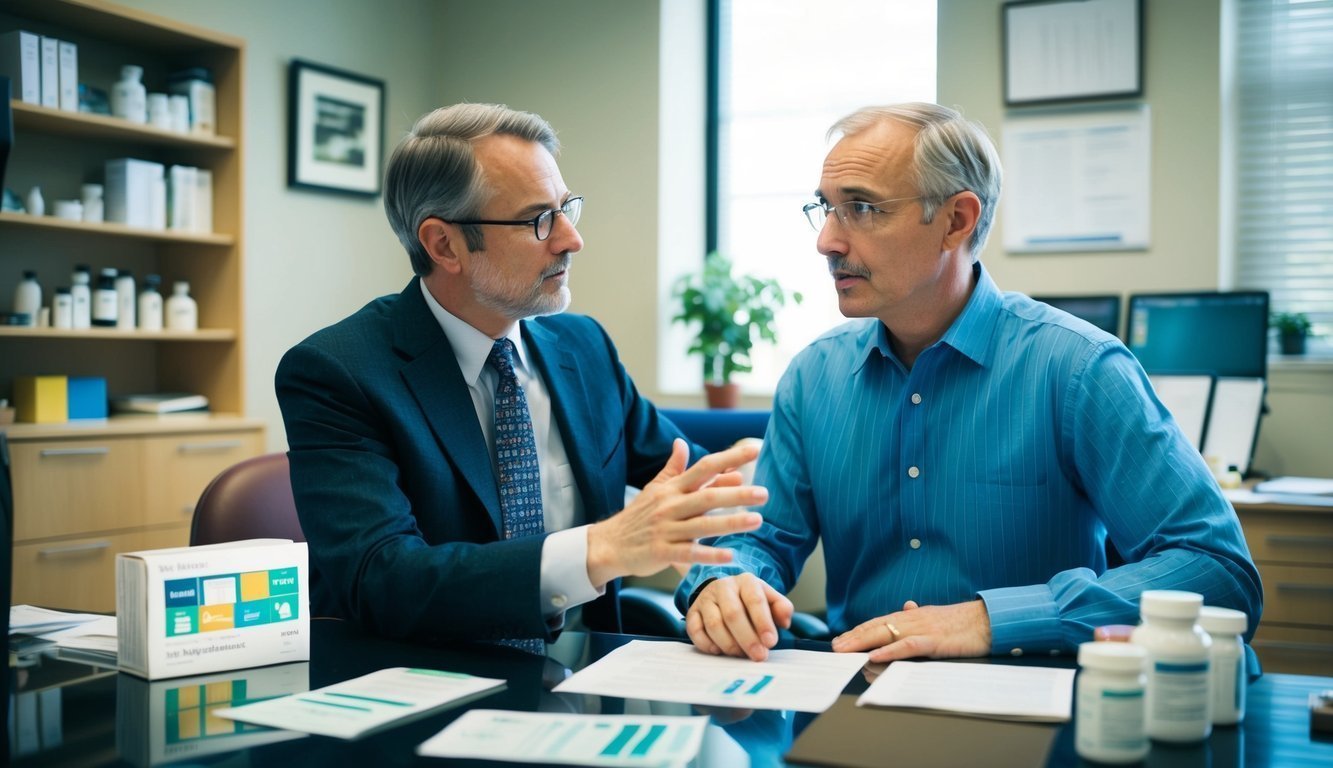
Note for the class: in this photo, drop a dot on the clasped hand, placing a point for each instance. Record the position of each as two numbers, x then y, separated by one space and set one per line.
663 523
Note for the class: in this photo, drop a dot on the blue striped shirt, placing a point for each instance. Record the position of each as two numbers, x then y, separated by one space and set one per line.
997 466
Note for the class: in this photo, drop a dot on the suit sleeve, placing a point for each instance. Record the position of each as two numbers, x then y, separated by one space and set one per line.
374 564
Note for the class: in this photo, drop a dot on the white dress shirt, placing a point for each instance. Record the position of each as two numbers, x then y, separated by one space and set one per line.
564 568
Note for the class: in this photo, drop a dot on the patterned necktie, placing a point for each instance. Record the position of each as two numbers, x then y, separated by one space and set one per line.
516 460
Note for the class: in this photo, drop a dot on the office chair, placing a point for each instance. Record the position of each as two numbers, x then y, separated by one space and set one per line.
249 500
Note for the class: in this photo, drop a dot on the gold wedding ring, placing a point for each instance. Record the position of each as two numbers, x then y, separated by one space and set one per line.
893 630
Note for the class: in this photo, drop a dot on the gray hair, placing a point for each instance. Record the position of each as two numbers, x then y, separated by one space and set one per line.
434 172
951 154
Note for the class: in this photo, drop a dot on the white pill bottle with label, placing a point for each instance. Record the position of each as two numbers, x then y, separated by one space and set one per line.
1178 705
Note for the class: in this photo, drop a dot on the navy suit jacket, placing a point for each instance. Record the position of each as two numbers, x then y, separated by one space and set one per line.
393 479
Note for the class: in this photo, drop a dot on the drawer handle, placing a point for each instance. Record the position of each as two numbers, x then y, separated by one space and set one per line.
1303 541
1287 645
54 452
1289 587
74 549
212 447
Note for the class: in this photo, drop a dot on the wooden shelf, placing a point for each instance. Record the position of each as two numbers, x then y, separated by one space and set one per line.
116 230
114 334
90 126
132 426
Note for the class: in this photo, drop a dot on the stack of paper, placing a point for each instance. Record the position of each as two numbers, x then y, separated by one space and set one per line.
32 620
1035 694
545 738
356 707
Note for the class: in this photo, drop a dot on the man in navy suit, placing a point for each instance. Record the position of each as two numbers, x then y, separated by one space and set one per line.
390 414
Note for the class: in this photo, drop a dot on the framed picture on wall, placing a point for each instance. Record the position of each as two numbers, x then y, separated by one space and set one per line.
1072 50
335 130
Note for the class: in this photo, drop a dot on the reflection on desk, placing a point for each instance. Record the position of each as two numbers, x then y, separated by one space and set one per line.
71 714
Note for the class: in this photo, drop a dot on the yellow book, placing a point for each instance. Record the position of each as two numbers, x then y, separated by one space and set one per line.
42 399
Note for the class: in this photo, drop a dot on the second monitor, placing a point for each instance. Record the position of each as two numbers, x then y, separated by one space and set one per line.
1208 332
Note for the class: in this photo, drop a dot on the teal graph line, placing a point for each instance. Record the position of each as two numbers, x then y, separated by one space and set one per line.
646 743
390 702
759 686
339 706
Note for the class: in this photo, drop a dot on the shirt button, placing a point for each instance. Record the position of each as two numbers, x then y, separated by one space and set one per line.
1016 652
1055 651
916 399
913 472
915 543
559 600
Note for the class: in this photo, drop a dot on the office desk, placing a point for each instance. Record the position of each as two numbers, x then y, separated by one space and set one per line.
73 714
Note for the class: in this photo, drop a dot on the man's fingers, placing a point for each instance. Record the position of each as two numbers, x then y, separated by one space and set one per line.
912 647
910 605
717 629
694 627
705 526
874 633
757 606
680 456
714 464
779 606
731 606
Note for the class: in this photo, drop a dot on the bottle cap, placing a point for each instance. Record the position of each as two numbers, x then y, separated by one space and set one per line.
1113 657
152 281
109 272
181 286
62 291
29 274
1113 633
1223 620
193 73
131 72
124 273
1170 604
82 268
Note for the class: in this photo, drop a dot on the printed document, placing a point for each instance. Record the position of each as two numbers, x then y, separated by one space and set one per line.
542 737
807 681
364 704
1006 692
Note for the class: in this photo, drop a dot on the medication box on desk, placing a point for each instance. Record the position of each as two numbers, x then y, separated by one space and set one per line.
195 610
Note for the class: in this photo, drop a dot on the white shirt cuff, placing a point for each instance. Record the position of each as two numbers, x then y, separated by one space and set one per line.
564 580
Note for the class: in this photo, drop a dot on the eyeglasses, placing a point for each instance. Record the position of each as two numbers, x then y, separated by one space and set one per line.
854 214
543 223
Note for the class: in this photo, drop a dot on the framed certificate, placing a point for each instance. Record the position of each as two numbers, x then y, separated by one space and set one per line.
1072 50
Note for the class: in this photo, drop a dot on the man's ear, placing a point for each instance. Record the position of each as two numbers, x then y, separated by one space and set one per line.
962 211
441 242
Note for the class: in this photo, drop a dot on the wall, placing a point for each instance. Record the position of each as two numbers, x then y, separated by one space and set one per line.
1184 89
312 258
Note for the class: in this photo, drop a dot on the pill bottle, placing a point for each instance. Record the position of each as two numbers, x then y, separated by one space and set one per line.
1109 724
1177 705
1227 662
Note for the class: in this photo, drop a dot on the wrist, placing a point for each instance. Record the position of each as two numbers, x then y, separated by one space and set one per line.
602 562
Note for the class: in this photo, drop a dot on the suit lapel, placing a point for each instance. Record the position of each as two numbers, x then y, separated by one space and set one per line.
572 411
431 373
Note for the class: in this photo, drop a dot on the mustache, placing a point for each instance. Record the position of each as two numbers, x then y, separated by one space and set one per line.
558 267
839 265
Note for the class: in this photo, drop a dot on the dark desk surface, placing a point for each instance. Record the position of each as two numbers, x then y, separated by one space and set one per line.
64 713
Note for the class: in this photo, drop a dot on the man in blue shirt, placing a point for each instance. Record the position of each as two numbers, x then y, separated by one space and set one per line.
963 453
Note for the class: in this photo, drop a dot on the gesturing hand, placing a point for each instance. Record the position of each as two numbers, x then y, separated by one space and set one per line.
662 524
738 616
935 631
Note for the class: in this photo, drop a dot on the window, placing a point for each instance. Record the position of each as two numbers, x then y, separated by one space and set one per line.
1284 157
786 70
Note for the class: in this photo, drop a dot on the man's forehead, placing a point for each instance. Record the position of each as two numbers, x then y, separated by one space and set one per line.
878 158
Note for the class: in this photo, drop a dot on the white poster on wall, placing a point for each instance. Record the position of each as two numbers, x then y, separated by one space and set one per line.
1077 181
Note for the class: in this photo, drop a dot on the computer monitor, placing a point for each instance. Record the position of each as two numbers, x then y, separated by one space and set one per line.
1101 311
1209 332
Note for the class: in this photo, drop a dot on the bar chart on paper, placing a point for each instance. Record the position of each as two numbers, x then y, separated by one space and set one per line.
807 681
541 737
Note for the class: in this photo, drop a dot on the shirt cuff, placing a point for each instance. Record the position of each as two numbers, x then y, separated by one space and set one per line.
1023 620
564 577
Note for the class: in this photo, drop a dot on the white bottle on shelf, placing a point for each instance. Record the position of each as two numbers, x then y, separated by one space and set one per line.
129 98
125 300
92 203
28 297
36 203
150 305
82 296
182 312
62 309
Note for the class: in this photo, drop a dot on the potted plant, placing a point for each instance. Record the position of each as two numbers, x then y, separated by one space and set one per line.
1292 329
728 311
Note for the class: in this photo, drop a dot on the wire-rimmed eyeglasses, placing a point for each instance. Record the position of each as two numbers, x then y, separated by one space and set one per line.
543 223
854 214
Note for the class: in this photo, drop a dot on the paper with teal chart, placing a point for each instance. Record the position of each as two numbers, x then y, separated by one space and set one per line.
547 737
806 681
368 703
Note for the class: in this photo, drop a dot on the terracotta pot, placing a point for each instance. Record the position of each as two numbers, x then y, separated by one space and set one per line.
722 395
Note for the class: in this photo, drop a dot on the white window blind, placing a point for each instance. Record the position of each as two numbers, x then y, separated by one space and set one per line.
1284 179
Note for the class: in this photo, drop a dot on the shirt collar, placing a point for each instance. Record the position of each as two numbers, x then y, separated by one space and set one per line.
472 347
973 329
970 332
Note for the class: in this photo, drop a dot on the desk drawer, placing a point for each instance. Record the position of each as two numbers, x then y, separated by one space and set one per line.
1294 650
74 574
1296 595
1286 538
70 487
177 468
